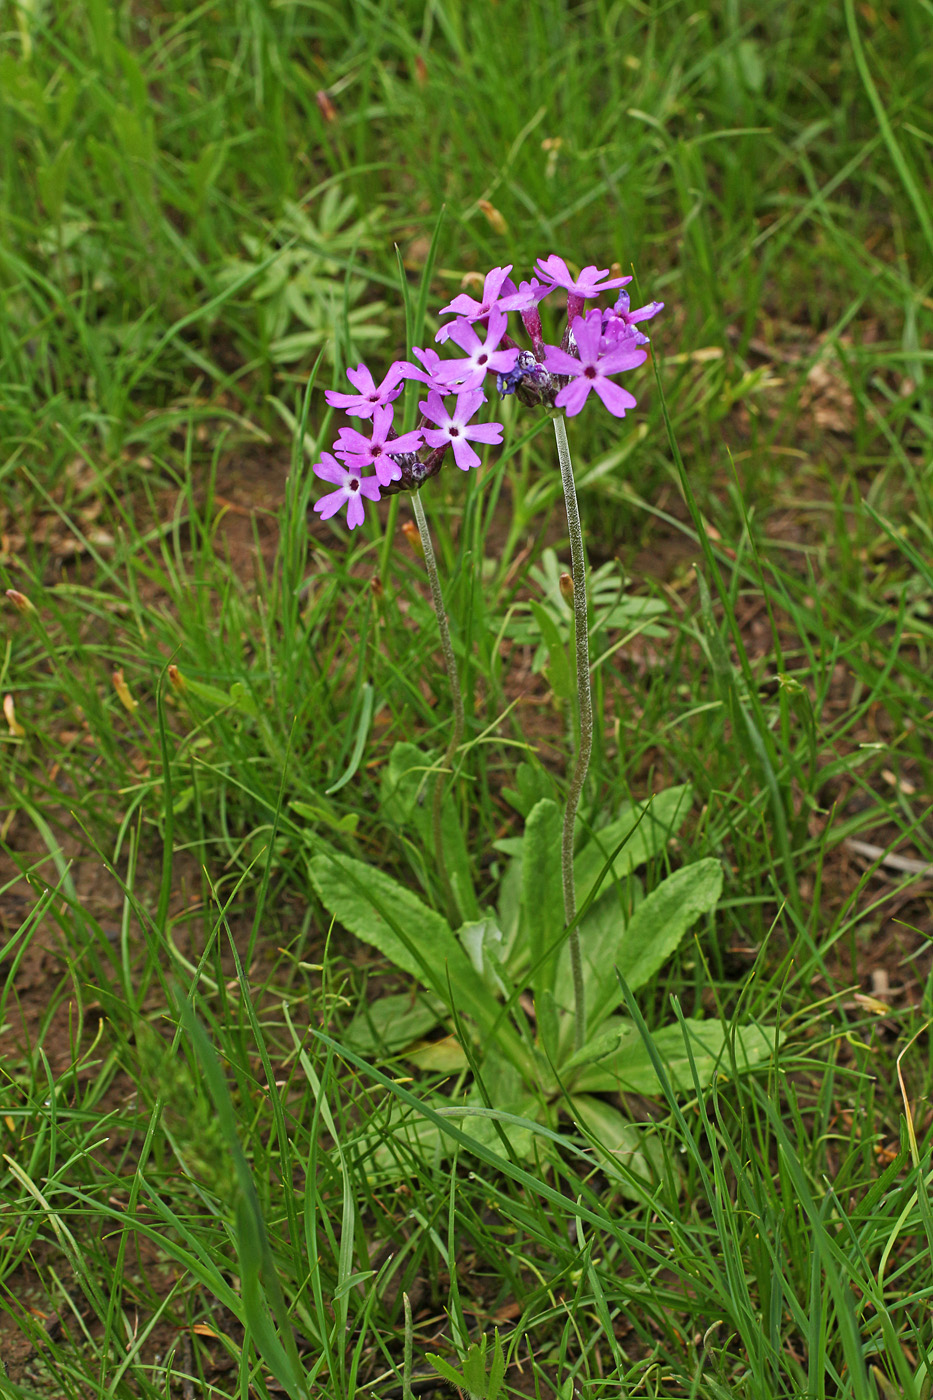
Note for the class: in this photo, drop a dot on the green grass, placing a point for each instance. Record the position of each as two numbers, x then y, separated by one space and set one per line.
184 230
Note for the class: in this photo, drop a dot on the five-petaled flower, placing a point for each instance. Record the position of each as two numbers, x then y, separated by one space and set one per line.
351 489
590 370
454 427
433 372
482 355
579 289
369 395
359 451
495 283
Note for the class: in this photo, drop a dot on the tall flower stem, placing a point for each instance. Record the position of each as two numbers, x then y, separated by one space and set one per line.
450 661
585 715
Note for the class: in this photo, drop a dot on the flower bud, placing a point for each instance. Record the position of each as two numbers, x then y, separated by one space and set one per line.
176 680
123 693
412 535
9 712
565 583
325 106
20 602
496 220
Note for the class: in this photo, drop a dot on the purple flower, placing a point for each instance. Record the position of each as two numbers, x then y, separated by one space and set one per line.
370 396
352 487
359 451
616 335
590 370
579 289
528 295
643 313
454 428
588 284
482 356
433 372
497 281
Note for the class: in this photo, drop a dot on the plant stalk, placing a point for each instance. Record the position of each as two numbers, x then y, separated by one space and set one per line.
456 737
585 716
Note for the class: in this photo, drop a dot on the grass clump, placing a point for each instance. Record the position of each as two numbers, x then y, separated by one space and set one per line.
228 1169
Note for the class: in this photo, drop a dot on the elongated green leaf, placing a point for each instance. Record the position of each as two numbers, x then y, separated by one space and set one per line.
607 1040
385 914
362 733
444 1056
655 930
473 1380
558 669
622 1147
630 1067
406 798
645 827
390 1023
542 890
407 1141
601 932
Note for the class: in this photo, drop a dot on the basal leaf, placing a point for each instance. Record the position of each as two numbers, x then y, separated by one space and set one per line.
630 1068
382 912
622 1147
542 890
406 799
390 1023
645 827
655 930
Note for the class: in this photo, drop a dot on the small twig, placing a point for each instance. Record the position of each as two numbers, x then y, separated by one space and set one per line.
890 858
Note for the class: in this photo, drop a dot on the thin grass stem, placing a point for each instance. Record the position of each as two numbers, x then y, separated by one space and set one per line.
450 661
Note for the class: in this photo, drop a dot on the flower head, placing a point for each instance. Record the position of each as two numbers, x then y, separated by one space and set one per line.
369 395
590 371
377 451
352 487
454 428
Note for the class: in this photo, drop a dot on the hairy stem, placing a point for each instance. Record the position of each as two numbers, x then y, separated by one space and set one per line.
585 715
456 736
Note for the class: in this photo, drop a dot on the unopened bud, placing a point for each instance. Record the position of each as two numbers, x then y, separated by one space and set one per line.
375 584
176 680
9 711
565 583
410 531
325 106
421 70
496 220
123 693
20 602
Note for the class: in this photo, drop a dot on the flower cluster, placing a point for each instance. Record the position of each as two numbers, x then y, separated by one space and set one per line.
596 345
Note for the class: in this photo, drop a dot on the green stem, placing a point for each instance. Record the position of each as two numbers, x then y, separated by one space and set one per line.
585 714
456 737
